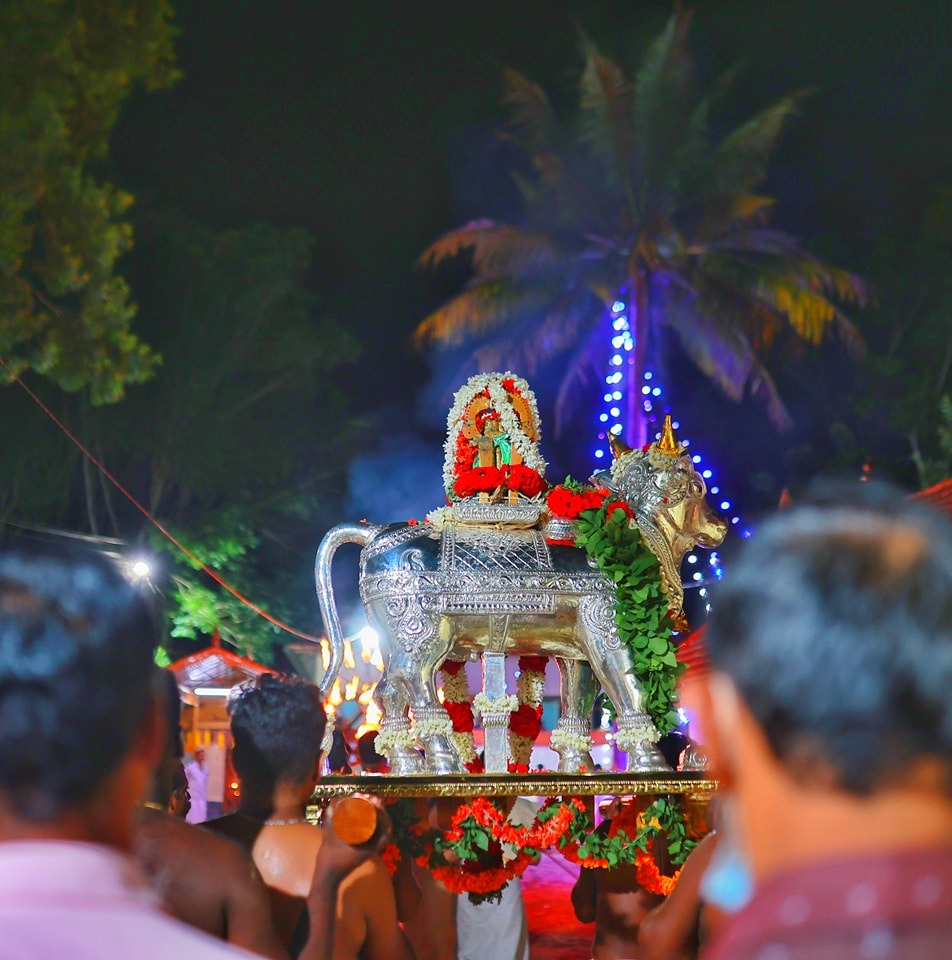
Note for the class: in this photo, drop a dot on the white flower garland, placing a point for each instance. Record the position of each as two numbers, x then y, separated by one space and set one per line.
520 749
436 518
465 746
499 398
631 737
565 741
530 688
388 740
456 687
456 690
427 727
485 705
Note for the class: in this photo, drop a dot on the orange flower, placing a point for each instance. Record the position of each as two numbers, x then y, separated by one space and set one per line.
651 878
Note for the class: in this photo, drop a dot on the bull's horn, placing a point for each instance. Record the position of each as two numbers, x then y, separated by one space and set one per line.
667 444
619 447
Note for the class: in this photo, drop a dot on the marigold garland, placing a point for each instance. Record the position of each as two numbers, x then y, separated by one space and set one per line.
651 878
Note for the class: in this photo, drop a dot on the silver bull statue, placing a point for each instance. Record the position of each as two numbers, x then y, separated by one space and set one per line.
490 588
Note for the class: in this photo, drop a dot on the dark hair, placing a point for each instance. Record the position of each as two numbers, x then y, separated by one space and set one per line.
278 725
836 625
367 748
76 671
338 757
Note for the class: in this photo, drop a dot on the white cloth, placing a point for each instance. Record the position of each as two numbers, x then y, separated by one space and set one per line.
497 931
493 931
197 775
82 901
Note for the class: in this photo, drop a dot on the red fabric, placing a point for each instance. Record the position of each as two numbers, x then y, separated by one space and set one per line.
693 654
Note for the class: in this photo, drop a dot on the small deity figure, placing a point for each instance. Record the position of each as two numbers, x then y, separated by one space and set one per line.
493 445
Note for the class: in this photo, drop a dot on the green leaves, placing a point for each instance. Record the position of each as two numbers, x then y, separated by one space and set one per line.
641 608
64 312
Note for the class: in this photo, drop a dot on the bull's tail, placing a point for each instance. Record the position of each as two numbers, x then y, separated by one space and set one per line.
343 533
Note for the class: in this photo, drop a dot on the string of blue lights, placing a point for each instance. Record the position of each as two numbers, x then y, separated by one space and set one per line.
618 396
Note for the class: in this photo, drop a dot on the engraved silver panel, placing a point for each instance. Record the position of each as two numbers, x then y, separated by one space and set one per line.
493 551
472 511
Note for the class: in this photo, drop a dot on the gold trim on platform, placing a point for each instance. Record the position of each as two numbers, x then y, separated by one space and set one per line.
516 784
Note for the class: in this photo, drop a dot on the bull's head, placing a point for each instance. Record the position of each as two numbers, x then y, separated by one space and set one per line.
667 496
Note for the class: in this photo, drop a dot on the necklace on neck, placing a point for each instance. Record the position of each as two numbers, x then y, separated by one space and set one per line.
269 822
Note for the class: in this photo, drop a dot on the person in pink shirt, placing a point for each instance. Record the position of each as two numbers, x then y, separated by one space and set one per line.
80 733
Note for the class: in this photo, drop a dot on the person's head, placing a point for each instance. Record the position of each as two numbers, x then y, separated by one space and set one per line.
834 626
199 755
367 751
76 684
277 723
338 759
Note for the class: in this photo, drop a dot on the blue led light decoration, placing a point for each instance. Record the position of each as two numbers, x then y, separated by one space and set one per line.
619 395
623 395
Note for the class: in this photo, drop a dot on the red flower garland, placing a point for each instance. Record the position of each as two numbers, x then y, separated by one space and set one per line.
478 480
526 721
516 477
651 878
524 480
568 504
461 716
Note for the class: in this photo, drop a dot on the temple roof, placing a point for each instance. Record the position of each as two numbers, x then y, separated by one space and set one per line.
939 495
215 667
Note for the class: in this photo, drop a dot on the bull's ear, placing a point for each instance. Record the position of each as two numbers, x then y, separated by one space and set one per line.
603 479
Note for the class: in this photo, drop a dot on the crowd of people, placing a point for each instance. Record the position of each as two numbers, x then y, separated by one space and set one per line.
827 718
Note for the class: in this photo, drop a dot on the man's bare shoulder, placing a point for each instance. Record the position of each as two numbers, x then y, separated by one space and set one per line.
158 834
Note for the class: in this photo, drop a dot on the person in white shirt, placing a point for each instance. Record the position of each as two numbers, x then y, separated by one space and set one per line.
197 774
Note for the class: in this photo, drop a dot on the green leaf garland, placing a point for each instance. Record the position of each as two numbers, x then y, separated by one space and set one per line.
641 606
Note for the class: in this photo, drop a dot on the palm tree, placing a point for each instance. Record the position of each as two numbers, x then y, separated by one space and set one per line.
634 202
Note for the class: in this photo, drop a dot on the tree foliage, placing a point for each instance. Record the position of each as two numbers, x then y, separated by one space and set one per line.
639 194
238 444
65 70
897 414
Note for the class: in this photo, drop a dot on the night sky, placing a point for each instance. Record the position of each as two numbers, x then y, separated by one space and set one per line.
372 125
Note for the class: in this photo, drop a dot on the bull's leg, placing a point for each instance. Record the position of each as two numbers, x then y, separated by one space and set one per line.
395 740
612 662
572 738
415 621
431 722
